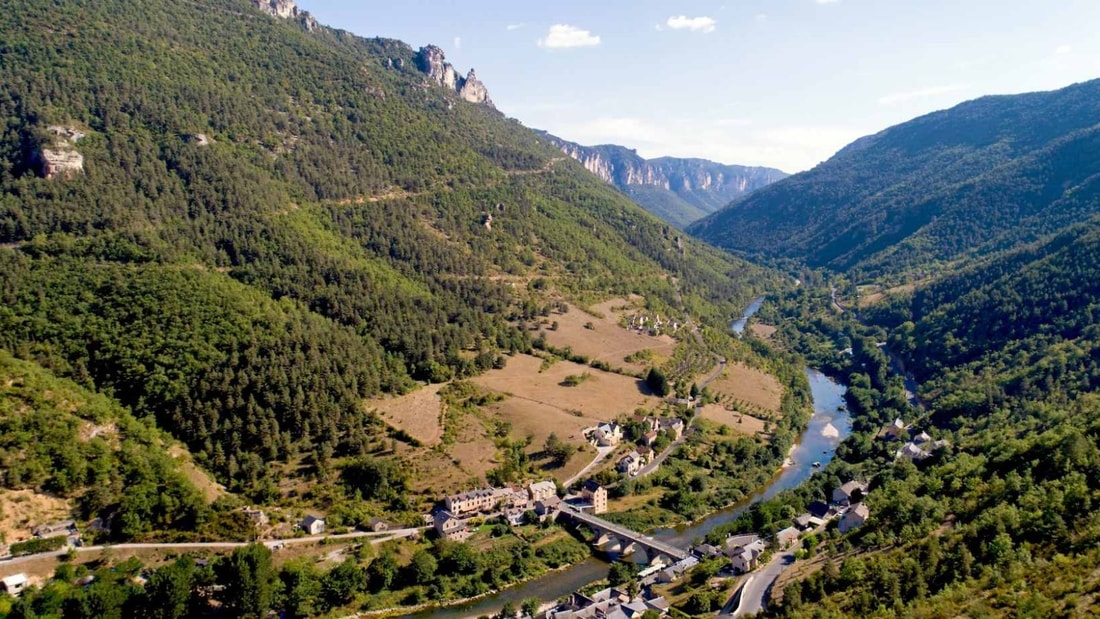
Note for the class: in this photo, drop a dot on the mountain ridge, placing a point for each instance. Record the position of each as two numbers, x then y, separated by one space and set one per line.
981 167
678 190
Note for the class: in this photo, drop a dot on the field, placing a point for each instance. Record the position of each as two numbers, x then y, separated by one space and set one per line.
602 396
762 330
22 510
753 387
537 403
739 422
606 340
416 413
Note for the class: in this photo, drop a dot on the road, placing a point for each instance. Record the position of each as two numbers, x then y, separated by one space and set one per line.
601 453
376 538
757 588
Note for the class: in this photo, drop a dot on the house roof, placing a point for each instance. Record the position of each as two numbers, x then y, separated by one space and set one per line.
591 485
15 580
818 508
308 520
788 532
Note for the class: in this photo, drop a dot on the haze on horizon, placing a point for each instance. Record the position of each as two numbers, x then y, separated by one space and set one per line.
782 83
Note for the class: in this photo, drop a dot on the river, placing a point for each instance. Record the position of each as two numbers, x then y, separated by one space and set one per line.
817 444
738 326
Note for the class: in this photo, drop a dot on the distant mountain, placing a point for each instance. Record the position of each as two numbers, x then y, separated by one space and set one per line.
679 191
985 175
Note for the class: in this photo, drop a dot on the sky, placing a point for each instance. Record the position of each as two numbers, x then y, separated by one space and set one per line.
781 83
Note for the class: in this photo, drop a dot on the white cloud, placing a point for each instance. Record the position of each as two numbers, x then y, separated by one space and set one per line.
511 27
900 97
696 24
458 42
827 1
564 36
1063 49
761 17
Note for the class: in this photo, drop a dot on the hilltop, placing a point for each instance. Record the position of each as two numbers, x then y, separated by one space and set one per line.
983 176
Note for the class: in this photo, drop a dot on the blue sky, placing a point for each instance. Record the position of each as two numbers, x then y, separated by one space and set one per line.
784 83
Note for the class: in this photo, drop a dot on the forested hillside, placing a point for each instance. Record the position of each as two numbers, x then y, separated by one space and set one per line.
81 447
267 224
983 176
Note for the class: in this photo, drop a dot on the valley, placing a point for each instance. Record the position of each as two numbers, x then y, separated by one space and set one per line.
295 321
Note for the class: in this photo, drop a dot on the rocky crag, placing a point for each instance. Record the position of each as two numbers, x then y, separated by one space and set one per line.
431 60
677 190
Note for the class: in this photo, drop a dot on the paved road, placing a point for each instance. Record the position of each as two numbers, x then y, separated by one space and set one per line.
277 543
757 589
601 453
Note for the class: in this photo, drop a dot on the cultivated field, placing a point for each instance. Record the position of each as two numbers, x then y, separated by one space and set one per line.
739 422
606 341
416 413
752 386
603 395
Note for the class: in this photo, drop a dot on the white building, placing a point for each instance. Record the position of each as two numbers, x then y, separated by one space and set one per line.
313 525
14 584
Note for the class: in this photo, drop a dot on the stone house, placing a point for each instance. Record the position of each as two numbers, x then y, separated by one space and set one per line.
313 525
854 518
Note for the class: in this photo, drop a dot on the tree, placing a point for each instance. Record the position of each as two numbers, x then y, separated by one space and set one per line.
422 568
621 573
529 606
168 592
657 382
381 573
301 588
558 450
249 581
341 583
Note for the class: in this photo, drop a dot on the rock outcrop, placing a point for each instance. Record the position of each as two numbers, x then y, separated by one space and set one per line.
432 62
286 9
678 190
58 157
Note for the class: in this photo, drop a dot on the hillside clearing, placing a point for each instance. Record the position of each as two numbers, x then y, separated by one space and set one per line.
22 510
606 340
749 385
416 413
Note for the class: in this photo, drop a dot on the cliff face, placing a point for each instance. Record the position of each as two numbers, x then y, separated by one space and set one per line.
58 158
432 62
678 190
286 9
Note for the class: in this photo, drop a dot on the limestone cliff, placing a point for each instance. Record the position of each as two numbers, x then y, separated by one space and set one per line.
286 9
432 62
57 157
677 190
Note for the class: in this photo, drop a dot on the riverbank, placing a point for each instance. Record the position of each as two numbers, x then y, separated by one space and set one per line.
813 445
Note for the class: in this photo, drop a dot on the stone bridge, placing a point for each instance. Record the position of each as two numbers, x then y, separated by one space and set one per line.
615 538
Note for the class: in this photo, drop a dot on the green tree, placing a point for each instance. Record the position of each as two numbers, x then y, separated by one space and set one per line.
620 573
168 592
249 581
423 567
341 583
657 382
301 589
